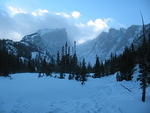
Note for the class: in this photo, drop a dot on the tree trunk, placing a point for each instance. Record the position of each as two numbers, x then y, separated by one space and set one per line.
143 94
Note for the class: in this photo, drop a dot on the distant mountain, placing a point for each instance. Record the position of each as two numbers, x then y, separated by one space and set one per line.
114 41
46 42
50 40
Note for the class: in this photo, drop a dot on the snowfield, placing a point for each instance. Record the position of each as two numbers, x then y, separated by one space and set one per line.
26 93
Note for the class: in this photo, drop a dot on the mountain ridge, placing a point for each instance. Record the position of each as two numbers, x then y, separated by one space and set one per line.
112 42
48 41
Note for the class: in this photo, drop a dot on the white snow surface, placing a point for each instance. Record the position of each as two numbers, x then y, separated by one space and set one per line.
26 93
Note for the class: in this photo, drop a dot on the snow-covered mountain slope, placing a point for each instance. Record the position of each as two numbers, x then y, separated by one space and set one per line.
23 50
50 40
26 93
113 41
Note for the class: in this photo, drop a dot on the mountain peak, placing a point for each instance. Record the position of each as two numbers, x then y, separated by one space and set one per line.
50 40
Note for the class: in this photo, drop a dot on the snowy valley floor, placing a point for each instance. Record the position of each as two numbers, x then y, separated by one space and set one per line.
26 93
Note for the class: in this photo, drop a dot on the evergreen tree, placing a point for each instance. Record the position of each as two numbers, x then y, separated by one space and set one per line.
144 64
126 64
66 48
58 62
58 58
62 63
97 68
74 65
30 66
89 68
143 77
83 72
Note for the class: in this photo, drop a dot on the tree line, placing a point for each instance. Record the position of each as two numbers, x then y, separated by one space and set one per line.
67 61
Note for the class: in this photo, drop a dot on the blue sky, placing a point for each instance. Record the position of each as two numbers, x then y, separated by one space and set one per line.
91 16
124 11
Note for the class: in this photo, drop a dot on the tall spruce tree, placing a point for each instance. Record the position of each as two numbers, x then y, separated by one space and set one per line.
89 68
83 72
143 76
144 63
97 68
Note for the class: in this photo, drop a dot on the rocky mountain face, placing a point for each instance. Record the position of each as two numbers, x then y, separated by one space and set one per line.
50 40
112 42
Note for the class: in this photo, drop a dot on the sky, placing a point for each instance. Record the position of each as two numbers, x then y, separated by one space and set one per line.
83 19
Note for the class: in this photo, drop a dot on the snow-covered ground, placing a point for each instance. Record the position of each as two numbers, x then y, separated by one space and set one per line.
26 93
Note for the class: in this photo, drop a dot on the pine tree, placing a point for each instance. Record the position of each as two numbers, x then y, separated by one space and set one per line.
143 77
74 64
126 64
58 61
62 63
66 48
97 68
83 72
89 68
148 62
144 64
58 58
30 66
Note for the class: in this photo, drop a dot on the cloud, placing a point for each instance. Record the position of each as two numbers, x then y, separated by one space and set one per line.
92 28
62 14
17 22
16 10
39 12
98 24
75 14
81 41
